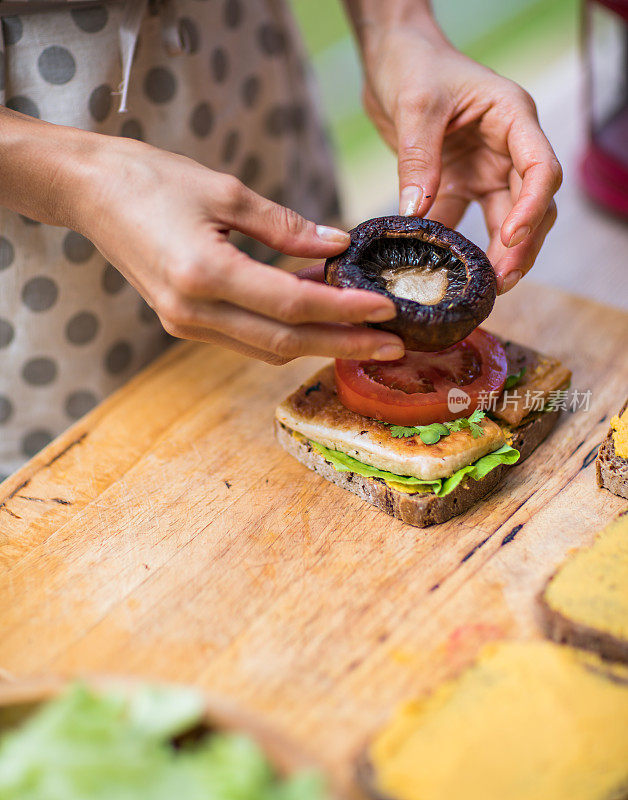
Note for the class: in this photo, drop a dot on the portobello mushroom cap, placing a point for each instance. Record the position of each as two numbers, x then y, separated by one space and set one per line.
443 286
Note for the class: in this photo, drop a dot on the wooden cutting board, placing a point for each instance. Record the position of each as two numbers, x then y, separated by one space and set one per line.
166 535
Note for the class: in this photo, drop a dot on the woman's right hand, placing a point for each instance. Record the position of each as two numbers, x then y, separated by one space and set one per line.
163 220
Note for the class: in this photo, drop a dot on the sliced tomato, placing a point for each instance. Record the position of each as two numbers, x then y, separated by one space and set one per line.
422 388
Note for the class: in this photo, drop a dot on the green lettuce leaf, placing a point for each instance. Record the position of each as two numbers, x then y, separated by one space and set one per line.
164 712
108 746
345 463
478 470
513 380
441 487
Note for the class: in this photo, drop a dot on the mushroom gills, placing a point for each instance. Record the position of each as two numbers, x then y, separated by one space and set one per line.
413 269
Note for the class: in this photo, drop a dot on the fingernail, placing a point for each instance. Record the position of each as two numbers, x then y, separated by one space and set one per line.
518 236
381 315
512 279
389 352
410 200
328 234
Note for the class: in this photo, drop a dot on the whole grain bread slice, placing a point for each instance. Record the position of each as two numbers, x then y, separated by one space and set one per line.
611 470
420 509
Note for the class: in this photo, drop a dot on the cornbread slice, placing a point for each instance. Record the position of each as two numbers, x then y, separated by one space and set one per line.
585 603
527 721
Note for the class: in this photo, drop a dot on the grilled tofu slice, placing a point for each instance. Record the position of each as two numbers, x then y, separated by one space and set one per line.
315 411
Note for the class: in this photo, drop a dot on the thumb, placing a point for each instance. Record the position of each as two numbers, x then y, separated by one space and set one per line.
279 227
420 133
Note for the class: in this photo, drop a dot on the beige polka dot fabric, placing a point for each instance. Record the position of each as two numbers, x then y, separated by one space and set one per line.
237 99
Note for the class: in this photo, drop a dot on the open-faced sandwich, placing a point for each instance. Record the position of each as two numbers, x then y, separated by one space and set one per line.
425 437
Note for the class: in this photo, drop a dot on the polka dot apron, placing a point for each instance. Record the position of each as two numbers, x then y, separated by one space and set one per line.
221 81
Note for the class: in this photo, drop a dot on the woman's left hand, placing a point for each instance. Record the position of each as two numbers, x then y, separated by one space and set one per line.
462 133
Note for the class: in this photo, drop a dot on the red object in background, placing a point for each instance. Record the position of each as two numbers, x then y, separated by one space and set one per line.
604 167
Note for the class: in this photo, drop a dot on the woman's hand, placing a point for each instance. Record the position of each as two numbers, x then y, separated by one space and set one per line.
461 133
164 221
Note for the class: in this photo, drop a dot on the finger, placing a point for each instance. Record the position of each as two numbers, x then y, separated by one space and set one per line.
512 263
234 277
541 174
517 261
215 337
496 206
379 117
420 131
316 272
286 341
281 228
448 209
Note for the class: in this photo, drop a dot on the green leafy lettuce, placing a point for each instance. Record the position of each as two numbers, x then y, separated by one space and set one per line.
87 746
440 487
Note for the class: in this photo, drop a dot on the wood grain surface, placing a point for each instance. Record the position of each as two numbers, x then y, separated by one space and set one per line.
166 535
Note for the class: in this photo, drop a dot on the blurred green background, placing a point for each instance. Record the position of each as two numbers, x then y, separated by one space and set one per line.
518 38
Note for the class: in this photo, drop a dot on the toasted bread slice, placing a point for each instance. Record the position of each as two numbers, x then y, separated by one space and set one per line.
422 508
526 721
585 603
315 411
611 470
542 375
